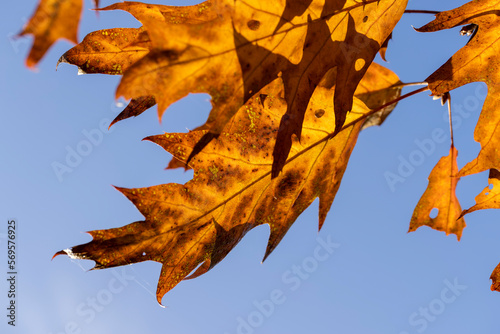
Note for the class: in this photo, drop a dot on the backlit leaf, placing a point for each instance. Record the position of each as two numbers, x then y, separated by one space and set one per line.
198 223
247 45
440 195
477 61
135 108
52 20
489 198
108 51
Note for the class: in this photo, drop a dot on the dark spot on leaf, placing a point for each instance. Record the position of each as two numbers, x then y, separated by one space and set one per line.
253 24
288 183
319 113
262 98
365 18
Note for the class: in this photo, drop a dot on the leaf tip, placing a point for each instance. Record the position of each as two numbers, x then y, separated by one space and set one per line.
69 253
120 189
158 299
62 59
61 252
265 256
113 122
149 138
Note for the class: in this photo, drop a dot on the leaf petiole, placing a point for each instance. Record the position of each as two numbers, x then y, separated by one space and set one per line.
417 11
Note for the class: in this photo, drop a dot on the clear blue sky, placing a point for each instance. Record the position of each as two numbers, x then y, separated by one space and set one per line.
378 280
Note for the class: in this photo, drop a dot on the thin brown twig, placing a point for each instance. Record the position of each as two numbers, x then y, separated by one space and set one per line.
451 123
417 11
408 84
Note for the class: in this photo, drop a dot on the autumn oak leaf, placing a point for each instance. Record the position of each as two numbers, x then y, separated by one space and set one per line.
52 20
135 107
440 195
477 61
108 51
112 51
195 225
489 198
389 88
233 49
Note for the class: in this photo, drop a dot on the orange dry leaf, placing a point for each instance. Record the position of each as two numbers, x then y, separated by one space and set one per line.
477 61
108 51
389 88
168 14
489 198
112 51
53 19
198 223
241 46
135 108
440 194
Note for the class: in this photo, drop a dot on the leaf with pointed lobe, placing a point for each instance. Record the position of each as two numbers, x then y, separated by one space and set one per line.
477 61
108 51
52 20
135 107
248 44
488 198
440 195
198 223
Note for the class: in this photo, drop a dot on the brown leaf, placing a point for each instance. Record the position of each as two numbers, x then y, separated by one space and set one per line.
112 51
231 192
108 51
440 194
168 14
53 19
246 45
489 198
476 61
135 108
